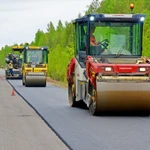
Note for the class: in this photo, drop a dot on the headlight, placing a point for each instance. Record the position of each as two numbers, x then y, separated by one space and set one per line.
142 69
142 19
91 18
108 68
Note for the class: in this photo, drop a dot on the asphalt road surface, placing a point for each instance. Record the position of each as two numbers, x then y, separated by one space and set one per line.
79 129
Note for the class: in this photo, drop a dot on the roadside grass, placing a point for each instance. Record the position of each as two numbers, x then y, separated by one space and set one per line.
57 83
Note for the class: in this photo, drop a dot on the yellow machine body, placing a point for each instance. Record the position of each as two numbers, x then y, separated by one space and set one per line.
34 66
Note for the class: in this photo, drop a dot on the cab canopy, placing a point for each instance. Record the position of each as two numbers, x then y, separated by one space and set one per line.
22 48
18 48
36 55
32 54
116 35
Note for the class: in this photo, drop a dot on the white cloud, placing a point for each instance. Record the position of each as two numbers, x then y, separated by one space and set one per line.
20 19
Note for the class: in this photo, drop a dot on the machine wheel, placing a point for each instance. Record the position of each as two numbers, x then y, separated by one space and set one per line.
26 85
92 106
71 95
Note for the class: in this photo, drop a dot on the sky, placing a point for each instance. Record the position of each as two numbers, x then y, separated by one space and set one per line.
20 19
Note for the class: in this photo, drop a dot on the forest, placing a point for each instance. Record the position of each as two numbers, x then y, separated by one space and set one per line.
60 39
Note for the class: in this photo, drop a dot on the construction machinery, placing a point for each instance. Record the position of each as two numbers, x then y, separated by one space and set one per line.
111 76
35 66
16 59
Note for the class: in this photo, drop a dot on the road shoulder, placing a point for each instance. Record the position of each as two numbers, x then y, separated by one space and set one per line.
20 127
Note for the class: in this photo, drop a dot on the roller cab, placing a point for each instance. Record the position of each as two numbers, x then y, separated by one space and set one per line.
111 75
35 66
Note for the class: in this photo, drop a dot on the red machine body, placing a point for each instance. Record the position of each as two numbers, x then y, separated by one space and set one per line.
112 75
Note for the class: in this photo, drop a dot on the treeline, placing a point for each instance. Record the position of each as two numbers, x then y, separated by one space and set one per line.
60 44
60 39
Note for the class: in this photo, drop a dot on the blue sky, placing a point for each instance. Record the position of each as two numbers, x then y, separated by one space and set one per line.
20 19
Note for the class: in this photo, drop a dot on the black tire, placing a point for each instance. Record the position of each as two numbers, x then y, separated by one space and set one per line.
26 85
92 109
92 106
71 95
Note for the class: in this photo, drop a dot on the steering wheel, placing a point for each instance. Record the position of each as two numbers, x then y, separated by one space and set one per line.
104 43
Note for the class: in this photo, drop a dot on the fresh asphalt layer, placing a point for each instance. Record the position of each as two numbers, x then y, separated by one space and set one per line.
79 129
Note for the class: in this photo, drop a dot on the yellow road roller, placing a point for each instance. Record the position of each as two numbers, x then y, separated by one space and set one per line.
34 66
108 72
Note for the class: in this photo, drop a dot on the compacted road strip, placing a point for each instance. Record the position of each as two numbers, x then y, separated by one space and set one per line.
79 129
20 127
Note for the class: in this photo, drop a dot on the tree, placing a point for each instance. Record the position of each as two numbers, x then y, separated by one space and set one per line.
93 7
50 36
39 38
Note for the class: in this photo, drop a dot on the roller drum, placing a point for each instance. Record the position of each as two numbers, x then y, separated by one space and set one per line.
35 79
123 97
